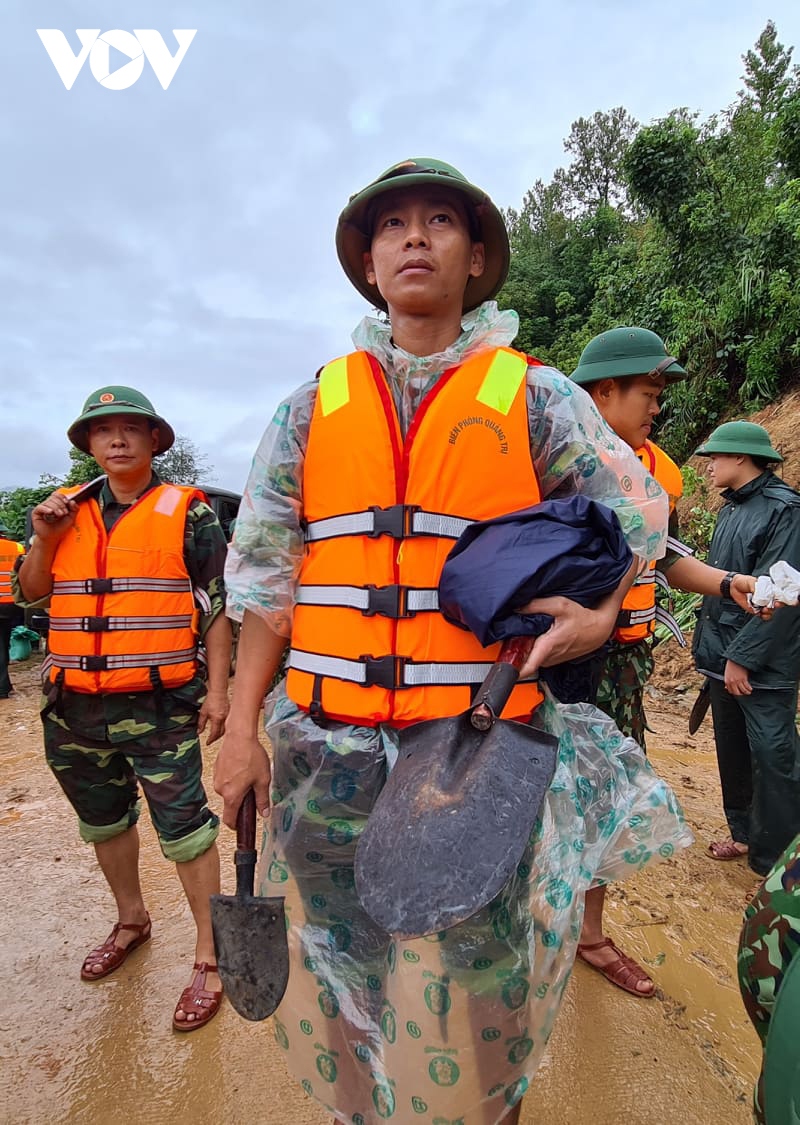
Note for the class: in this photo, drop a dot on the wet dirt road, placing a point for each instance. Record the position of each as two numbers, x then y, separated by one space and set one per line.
97 1054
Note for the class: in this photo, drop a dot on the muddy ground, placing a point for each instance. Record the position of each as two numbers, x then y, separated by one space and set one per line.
97 1054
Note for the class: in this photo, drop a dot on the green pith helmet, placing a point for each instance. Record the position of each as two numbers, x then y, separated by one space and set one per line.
626 351
354 232
740 437
118 400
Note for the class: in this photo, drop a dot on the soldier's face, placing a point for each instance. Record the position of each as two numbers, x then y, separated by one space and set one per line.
630 406
422 254
724 469
122 444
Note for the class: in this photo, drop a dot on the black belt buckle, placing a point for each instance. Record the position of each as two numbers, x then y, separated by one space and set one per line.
95 624
93 663
388 601
384 671
394 521
100 586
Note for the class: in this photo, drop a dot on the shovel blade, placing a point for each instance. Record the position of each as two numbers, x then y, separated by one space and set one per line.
252 952
451 823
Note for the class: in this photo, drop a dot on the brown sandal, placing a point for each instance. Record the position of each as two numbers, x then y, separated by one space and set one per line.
110 955
624 972
197 1001
727 849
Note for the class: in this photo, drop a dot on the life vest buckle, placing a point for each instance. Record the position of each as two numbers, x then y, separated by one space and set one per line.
396 521
95 624
93 664
384 671
388 601
99 585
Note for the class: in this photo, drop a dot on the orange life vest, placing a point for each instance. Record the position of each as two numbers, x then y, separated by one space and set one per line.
381 514
637 615
122 610
9 553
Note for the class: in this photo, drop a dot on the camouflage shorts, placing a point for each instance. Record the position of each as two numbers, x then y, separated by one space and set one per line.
626 670
769 941
101 779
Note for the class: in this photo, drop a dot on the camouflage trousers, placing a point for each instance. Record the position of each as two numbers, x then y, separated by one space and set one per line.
100 778
769 940
620 695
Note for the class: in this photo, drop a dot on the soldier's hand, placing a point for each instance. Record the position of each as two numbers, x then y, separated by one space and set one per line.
241 764
741 586
737 679
576 631
53 518
213 713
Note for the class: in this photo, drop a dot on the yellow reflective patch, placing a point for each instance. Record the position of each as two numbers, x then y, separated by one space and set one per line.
502 381
334 389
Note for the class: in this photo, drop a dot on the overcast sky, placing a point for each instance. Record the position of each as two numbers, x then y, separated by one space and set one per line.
181 240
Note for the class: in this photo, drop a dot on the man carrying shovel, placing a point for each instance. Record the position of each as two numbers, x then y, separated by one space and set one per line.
362 483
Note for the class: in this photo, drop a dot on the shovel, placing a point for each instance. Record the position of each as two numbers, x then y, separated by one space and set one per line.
250 933
457 811
700 707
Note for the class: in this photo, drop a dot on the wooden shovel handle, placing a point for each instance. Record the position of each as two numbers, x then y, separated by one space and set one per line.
246 823
496 689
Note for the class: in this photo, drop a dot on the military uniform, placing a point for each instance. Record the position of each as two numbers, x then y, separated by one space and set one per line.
98 744
758 747
769 941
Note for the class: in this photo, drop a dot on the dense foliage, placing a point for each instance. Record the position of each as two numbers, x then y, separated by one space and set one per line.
690 228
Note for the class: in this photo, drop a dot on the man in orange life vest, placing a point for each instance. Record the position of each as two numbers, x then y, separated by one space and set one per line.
362 483
625 371
134 572
10 615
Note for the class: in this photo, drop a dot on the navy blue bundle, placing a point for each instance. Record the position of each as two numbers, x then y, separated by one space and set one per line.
574 548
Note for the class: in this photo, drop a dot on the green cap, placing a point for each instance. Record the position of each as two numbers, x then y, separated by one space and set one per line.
740 437
354 230
5 532
118 400
626 351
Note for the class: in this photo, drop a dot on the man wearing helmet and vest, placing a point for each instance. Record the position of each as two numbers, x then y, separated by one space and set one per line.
10 614
625 370
753 664
134 572
361 485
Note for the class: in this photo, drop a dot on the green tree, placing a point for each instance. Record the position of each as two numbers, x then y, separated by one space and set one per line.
184 464
766 71
83 468
598 145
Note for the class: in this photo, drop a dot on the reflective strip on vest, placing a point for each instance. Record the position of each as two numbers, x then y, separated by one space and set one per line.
390 601
9 553
646 579
96 586
678 548
407 522
664 617
108 663
391 672
628 617
110 624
